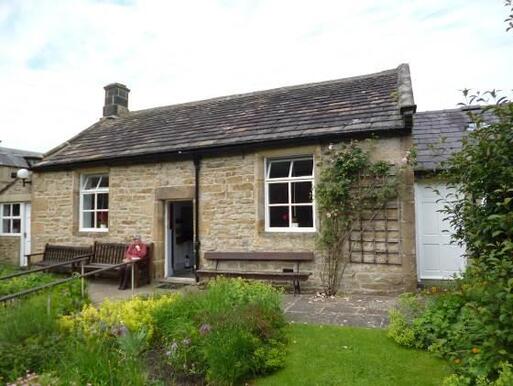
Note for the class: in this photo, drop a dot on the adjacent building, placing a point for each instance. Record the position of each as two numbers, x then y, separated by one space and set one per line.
15 204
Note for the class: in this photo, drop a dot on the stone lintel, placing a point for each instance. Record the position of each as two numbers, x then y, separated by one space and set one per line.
183 192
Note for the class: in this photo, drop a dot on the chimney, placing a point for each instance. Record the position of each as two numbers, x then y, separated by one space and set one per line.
116 100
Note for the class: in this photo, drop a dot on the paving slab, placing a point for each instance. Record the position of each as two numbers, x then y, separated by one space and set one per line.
348 310
100 289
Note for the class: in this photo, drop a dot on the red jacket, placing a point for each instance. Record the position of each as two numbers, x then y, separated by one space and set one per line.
136 250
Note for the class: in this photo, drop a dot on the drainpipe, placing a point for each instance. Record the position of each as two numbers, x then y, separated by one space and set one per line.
197 166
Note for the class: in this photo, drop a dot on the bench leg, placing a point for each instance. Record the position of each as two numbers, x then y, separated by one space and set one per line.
297 288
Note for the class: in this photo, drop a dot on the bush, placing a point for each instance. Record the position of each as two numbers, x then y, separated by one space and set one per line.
20 283
472 324
230 332
29 331
111 317
459 325
105 345
100 361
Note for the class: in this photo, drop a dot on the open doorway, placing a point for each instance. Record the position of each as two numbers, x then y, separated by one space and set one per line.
179 239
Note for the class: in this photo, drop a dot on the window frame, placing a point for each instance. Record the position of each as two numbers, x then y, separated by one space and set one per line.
289 180
95 191
11 217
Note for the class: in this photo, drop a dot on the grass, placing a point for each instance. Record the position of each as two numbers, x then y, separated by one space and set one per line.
332 355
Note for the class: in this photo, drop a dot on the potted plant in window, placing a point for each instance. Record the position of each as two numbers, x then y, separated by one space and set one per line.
103 219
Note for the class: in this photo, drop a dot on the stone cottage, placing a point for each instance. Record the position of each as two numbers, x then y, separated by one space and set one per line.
15 201
230 174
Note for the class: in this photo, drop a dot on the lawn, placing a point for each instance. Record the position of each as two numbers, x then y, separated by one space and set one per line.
332 355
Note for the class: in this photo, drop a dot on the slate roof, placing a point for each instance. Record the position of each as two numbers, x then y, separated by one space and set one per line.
437 135
18 158
369 103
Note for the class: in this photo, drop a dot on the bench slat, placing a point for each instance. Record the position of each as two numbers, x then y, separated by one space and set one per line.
260 256
260 275
108 253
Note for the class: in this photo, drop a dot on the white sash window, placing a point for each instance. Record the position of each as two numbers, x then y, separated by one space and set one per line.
11 219
289 201
94 203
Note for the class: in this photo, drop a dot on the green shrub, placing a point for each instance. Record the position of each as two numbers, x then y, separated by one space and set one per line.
134 314
99 361
505 378
230 332
402 328
471 325
463 325
20 283
29 331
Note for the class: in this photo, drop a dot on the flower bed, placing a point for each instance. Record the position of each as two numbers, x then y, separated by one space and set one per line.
225 335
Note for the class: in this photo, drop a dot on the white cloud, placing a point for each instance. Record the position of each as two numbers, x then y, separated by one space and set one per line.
55 56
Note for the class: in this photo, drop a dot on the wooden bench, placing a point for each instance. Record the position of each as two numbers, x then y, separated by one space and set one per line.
55 254
106 255
295 275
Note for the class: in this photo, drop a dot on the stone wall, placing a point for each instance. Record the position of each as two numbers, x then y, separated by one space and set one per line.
15 192
231 212
10 249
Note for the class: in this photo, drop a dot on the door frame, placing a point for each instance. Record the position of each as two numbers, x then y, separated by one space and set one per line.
26 215
418 241
169 241
168 262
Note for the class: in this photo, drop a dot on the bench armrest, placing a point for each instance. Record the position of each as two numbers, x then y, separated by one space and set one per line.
35 254
29 257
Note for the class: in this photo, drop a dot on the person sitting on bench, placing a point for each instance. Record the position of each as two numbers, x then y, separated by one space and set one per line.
136 250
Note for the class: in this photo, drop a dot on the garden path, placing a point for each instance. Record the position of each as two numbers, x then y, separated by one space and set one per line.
344 310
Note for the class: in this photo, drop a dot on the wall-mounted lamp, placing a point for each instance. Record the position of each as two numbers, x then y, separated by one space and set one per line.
24 175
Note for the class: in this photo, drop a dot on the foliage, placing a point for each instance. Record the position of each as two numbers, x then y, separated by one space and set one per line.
112 317
29 333
350 185
505 378
509 19
401 319
101 346
471 325
230 332
20 283
333 355
101 361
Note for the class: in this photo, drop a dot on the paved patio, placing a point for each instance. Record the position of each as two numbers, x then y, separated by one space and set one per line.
100 289
350 310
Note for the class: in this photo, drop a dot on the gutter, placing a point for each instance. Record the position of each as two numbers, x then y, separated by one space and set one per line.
197 167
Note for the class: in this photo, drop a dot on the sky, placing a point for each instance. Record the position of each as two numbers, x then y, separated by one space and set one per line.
56 55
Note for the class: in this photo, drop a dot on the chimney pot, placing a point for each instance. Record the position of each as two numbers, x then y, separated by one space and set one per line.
116 100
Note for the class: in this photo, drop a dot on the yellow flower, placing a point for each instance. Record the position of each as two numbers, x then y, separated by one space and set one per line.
475 350
457 360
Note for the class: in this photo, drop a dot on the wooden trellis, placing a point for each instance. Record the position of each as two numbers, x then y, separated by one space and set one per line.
375 236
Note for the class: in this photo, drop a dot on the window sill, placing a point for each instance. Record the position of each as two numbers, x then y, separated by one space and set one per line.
10 234
290 230
93 230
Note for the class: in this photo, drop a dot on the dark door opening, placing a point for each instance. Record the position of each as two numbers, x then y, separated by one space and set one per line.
180 239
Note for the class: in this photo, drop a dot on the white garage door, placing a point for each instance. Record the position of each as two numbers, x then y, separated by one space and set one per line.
437 257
